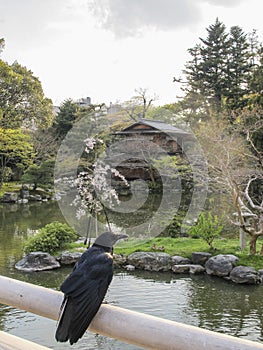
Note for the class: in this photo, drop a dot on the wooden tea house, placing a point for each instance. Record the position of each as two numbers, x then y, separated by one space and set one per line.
142 141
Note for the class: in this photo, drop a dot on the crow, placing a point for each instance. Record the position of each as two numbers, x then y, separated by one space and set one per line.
84 289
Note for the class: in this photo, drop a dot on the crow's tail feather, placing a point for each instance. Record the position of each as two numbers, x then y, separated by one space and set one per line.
62 332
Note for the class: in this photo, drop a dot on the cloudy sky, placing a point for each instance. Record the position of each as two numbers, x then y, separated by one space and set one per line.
106 49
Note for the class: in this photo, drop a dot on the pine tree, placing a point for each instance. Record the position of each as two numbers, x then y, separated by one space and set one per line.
219 74
67 115
256 82
213 68
206 72
239 68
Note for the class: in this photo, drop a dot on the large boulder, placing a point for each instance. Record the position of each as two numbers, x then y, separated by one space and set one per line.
37 261
188 268
181 268
260 273
24 192
150 261
245 275
68 258
119 260
35 198
196 269
200 258
221 265
179 260
10 197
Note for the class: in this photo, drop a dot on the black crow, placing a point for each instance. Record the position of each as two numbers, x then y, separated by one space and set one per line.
84 289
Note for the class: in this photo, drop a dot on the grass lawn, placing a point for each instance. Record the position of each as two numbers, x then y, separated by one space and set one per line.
182 246
185 246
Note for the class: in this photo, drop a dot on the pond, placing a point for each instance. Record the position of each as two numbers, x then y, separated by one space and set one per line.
211 303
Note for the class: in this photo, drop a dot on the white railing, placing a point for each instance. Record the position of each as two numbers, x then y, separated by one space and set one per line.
11 342
145 331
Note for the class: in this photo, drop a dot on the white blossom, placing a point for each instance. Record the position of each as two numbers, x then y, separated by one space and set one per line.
94 185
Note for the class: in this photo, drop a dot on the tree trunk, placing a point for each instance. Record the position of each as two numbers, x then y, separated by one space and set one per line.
242 239
253 245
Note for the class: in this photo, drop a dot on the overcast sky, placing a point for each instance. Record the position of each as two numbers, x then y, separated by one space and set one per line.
106 49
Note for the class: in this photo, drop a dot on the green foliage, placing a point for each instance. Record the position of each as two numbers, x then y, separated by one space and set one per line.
7 174
16 151
239 68
40 175
173 229
219 74
2 44
22 99
9 187
183 246
172 166
208 228
67 115
51 238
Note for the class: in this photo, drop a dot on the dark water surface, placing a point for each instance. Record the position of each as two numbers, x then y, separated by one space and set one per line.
202 301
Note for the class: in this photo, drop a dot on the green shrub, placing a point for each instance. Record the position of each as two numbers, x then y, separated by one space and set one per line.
51 238
208 228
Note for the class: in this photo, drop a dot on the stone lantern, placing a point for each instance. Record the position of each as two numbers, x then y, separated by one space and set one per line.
242 234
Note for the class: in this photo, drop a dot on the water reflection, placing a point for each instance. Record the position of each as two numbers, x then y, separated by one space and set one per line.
228 308
17 222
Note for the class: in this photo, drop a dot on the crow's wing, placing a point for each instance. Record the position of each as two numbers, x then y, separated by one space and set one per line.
84 292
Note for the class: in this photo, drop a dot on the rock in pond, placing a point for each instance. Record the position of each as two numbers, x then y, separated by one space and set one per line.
221 265
195 269
129 267
119 260
188 268
24 192
10 197
150 261
200 258
179 260
245 275
37 261
68 258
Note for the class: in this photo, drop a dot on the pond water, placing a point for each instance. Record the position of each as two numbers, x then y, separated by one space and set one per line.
211 303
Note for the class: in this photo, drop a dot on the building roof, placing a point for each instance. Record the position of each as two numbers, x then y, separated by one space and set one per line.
156 125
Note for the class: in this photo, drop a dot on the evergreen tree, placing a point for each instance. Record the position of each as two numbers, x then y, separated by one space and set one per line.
40 175
195 101
213 65
256 82
239 68
67 115
219 74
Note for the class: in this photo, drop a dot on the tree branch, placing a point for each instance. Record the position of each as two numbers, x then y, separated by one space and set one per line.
248 198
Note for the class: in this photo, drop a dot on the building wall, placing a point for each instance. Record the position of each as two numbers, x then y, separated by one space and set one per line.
139 142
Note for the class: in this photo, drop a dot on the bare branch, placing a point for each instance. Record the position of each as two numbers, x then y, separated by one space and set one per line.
259 155
248 198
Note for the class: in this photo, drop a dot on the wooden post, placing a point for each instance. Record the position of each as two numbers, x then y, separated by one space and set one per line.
146 331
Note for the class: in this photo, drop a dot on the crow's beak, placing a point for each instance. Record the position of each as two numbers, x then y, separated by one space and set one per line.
122 236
